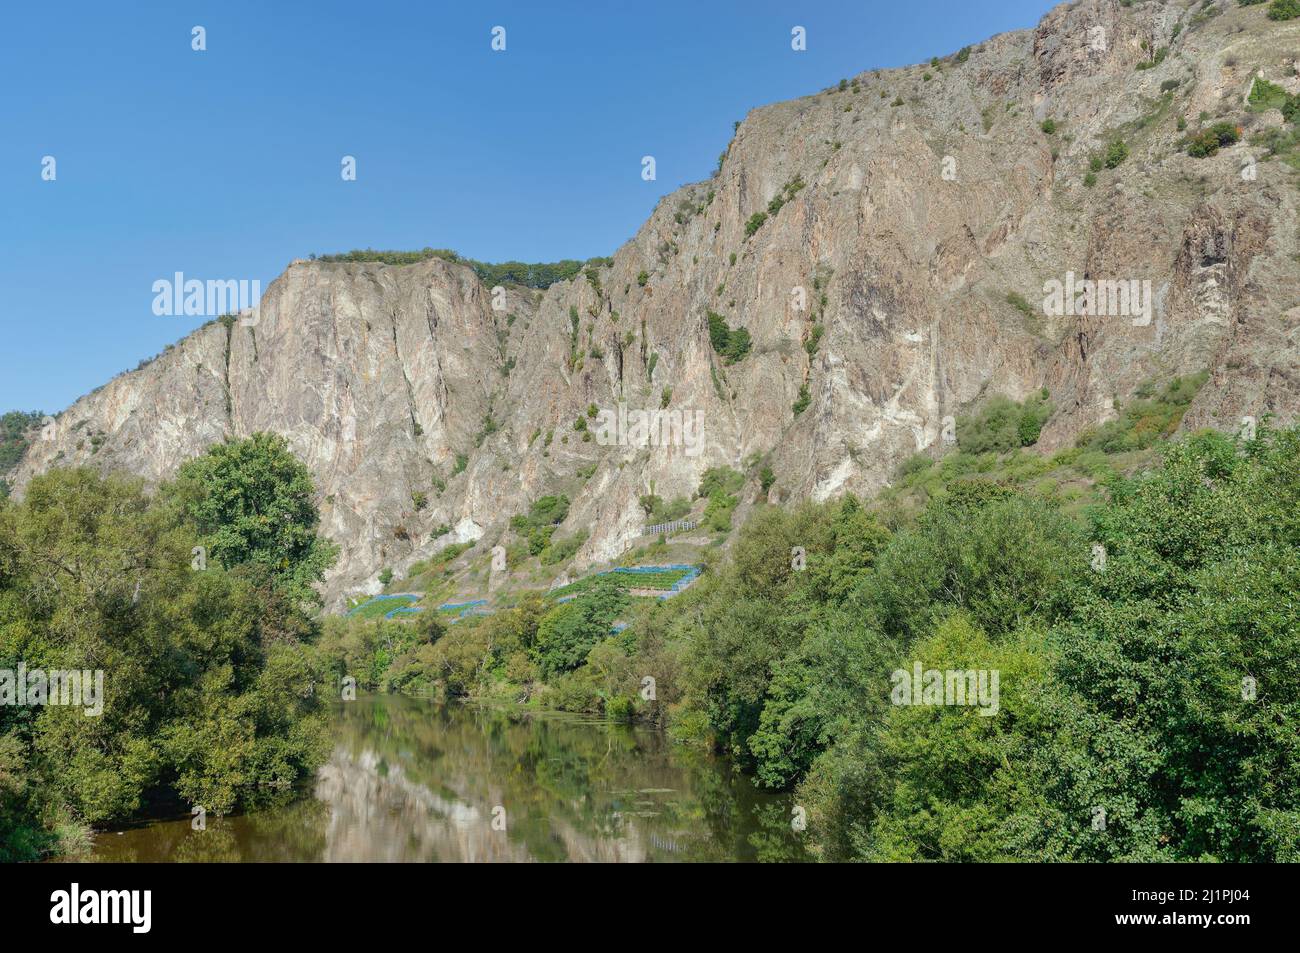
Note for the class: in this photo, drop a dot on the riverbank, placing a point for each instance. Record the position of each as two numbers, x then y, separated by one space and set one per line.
412 779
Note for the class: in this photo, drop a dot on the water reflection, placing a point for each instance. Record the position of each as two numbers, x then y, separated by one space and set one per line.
411 780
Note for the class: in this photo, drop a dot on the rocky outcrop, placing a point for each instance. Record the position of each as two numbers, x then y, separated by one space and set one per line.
909 217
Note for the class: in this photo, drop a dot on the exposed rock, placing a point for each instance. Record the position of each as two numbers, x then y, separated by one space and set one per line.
915 222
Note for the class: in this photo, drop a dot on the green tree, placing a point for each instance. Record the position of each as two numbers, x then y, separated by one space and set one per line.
210 690
251 502
569 631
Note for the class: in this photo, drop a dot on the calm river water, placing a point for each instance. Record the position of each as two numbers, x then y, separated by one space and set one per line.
414 780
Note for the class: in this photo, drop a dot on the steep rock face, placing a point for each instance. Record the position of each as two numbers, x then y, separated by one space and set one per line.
911 212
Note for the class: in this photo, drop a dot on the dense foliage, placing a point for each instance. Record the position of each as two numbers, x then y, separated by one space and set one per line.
1154 415
212 693
731 344
1147 706
1147 710
251 502
721 487
1003 425
539 523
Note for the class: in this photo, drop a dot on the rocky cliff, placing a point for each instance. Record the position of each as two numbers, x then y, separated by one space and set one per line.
914 221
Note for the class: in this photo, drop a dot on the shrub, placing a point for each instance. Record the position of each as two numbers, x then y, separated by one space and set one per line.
754 223
805 398
814 339
1156 60
1116 153
1266 95
1002 425
1017 301
543 516
563 550
732 344
1150 417
1207 142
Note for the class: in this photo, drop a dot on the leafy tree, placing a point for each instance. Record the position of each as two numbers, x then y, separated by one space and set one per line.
1003 557
251 502
569 631
211 692
958 790
1134 724
1161 646
766 640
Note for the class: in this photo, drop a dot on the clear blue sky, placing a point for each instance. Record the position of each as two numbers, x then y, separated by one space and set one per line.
225 163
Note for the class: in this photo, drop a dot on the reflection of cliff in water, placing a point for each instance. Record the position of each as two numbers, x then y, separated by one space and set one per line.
410 780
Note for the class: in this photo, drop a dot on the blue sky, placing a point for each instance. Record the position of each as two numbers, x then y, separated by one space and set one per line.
225 163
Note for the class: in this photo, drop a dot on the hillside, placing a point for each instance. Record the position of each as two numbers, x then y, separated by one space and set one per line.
867 265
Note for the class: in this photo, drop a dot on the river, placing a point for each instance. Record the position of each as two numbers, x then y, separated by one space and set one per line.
414 780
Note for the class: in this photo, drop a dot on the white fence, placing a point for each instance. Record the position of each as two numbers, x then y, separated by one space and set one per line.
676 526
